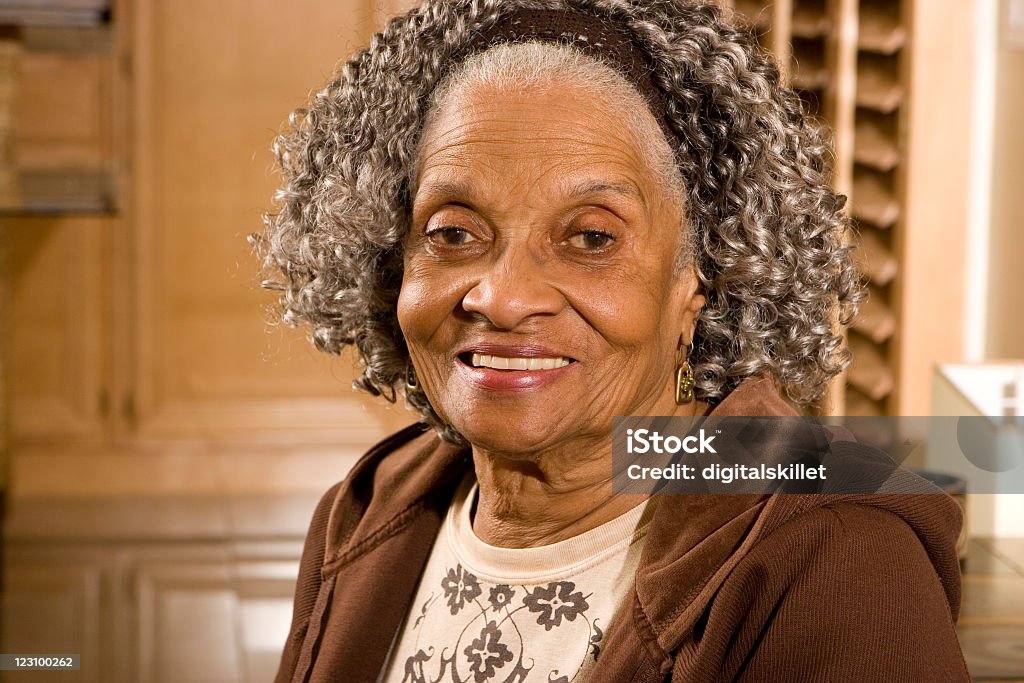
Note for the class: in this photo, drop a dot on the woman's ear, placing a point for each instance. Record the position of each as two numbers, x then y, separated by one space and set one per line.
692 300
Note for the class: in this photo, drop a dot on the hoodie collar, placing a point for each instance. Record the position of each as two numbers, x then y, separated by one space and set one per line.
695 540
414 468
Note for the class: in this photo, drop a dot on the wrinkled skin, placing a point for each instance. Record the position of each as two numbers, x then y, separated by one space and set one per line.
539 228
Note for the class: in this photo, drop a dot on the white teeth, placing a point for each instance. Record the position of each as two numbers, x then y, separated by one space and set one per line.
483 360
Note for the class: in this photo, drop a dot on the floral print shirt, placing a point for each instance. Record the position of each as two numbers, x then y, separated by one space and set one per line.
483 613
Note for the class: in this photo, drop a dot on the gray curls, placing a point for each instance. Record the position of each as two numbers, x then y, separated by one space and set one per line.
770 232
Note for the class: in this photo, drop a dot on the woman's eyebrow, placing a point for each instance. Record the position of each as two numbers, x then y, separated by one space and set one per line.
443 189
603 187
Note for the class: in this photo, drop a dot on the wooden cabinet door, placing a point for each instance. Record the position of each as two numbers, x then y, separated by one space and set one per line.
55 268
213 82
53 604
56 326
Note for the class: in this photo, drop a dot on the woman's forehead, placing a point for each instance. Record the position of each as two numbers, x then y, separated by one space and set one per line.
536 134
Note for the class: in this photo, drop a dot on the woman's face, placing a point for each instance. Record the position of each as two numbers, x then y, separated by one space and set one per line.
539 297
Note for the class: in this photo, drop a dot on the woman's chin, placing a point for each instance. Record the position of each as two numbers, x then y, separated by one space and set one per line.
511 438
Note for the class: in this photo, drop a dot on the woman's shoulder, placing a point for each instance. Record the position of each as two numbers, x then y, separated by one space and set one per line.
407 463
909 533
867 585
395 475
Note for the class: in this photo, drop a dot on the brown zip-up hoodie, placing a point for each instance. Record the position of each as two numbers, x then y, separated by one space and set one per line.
729 587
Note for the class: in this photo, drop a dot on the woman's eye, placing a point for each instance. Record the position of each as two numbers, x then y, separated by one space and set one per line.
451 235
591 240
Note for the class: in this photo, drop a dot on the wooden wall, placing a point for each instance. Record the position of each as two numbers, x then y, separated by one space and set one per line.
1005 332
148 323
168 447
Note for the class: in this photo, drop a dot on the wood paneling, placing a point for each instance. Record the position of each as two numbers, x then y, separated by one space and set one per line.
929 295
1005 320
192 605
150 611
51 605
56 344
63 110
213 84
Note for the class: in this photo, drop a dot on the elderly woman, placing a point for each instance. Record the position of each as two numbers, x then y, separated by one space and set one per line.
530 217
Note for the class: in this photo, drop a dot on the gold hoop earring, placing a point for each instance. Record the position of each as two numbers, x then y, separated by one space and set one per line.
685 381
412 383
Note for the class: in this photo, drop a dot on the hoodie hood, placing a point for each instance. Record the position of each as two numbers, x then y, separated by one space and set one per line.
720 531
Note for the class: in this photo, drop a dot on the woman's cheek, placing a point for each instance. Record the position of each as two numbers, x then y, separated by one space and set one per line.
429 295
421 314
415 295
623 311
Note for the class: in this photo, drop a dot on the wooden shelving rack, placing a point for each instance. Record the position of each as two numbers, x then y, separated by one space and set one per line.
845 59
64 163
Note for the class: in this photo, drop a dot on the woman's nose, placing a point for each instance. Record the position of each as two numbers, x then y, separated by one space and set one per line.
513 288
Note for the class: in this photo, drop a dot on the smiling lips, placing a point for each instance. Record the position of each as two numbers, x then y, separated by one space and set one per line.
483 360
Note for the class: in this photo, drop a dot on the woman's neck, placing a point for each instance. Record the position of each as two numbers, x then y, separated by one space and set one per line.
526 502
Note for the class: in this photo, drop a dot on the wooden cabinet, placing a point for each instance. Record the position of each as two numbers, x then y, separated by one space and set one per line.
145 321
221 618
57 318
156 420
213 82
56 600
175 603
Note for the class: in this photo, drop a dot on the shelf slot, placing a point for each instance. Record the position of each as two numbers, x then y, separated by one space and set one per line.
875 141
875 320
869 373
809 69
60 191
32 14
875 259
759 16
810 20
98 39
859 405
873 200
881 30
878 86
812 102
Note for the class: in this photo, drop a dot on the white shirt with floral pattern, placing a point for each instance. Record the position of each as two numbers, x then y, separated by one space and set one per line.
483 613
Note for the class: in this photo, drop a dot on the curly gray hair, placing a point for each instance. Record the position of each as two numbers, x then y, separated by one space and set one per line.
770 250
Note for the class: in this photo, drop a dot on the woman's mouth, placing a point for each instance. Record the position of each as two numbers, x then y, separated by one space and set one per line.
484 360
492 372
